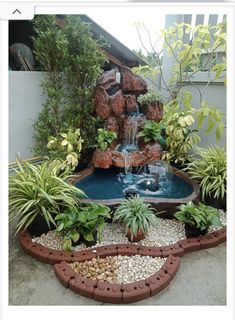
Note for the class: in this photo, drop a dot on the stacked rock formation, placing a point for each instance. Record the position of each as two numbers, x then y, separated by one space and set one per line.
114 101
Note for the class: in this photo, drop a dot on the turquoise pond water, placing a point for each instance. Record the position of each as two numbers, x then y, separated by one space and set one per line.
107 184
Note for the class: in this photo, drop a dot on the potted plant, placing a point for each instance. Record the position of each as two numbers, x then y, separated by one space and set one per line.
84 223
137 217
209 169
197 218
37 193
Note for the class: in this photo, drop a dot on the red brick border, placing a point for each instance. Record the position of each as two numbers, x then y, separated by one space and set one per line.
119 293
51 256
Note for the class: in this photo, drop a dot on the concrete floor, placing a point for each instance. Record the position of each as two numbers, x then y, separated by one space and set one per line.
200 280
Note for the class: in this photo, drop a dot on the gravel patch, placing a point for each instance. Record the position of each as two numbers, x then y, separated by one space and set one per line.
119 269
135 268
167 232
50 240
223 220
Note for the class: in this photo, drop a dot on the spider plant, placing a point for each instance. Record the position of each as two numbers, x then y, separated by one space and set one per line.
136 215
39 190
209 169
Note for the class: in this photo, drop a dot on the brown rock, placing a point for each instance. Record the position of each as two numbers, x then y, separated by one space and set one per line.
154 111
108 80
102 159
102 107
130 102
112 125
118 160
153 152
136 159
132 83
117 103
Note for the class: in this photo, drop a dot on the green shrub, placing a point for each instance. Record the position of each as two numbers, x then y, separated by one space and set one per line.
180 138
73 60
152 131
209 169
39 190
198 216
66 147
82 221
136 215
150 97
105 138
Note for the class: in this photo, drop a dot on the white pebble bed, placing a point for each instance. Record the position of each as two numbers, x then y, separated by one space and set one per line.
135 268
168 231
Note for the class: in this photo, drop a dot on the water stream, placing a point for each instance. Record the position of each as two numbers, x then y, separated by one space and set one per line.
148 180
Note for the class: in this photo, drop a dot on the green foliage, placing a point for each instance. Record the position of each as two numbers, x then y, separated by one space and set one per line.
198 53
150 97
180 138
206 39
67 148
39 190
73 60
198 216
136 214
82 221
105 138
152 131
213 116
209 169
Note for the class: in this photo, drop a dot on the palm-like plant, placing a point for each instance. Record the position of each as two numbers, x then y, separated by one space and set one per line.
136 215
39 190
210 170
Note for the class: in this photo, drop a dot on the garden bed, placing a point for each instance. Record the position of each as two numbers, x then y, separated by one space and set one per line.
168 232
115 270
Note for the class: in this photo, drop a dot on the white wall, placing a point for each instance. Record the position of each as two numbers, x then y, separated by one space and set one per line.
25 102
215 95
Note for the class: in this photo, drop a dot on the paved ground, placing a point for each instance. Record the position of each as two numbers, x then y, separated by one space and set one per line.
201 280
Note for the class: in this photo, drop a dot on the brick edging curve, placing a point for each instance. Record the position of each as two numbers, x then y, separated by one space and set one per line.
119 293
51 256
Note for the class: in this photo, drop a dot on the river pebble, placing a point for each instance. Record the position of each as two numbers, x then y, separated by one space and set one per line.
168 231
119 269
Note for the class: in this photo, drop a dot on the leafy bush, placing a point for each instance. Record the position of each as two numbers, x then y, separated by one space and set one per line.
105 138
189 58
136 215
67 148
82 221
180 139
72 58
152 131
39 190
150 97
209 169
198 216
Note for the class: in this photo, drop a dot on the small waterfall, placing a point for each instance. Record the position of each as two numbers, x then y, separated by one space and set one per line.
129 145
128 167
130 142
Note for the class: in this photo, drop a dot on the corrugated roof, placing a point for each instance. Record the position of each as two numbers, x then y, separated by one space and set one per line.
116 48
